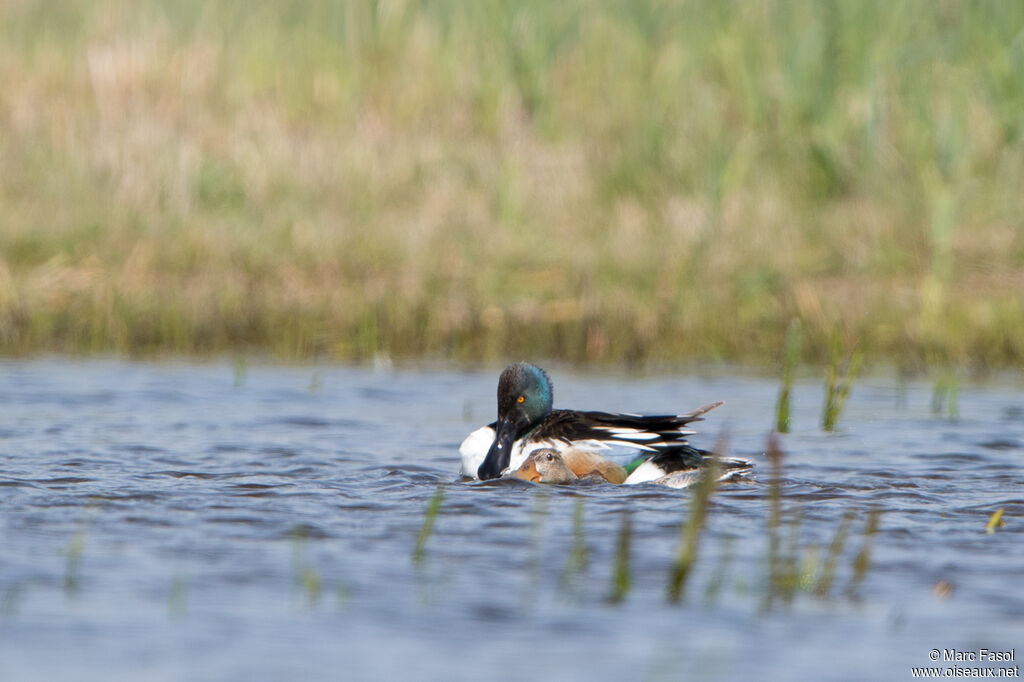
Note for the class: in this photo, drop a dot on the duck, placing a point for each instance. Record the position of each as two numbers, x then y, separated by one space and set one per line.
546 465
527 422
675 467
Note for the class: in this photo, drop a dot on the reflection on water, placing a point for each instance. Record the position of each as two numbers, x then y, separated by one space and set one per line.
165 521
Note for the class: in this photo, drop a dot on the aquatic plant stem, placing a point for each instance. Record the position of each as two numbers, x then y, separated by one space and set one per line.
690 532
774 452
835 548
620 573
839 378
433 507
790 359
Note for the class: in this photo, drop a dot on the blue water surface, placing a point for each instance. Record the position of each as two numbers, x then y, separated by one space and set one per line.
170 521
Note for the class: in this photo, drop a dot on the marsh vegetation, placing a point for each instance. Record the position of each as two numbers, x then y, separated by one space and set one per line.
600 182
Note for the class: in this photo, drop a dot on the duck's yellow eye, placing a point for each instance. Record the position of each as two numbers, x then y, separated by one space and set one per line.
521 399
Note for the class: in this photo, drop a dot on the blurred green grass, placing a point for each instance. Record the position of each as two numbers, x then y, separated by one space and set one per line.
603 181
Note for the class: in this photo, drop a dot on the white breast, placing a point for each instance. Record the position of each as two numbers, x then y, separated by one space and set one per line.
474 450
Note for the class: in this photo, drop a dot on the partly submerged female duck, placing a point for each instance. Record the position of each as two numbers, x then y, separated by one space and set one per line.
676 467
550 466
527 422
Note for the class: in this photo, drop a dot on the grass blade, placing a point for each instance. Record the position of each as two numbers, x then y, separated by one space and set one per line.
691 530
620 574
995 521
862 561
774 519
577 561
419 552
790 360
828 573
838 383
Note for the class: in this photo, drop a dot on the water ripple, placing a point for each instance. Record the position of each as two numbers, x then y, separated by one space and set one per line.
163 503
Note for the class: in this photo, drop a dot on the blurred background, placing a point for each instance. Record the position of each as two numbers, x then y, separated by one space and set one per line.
611 181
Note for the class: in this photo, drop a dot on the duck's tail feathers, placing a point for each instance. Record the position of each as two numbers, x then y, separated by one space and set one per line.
685 457
648 432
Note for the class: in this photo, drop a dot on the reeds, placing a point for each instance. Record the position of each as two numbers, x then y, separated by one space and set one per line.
76 548
791 358
839 377
308 579
862 561
775 573
721 573
433 507
797 569
306 576
600 182
995 521
538 526
578 560
621 581
946 395
793 566
828 571
691 530
790 567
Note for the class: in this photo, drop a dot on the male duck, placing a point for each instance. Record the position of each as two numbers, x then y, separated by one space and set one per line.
676 467
526 423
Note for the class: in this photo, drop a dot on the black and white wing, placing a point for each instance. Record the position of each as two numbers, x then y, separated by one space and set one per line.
646 432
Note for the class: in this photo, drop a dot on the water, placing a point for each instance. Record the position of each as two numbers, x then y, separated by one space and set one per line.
205 522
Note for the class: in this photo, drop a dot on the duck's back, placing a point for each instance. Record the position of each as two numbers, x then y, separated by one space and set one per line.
587 463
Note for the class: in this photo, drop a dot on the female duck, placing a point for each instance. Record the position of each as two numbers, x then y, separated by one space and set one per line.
678 467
